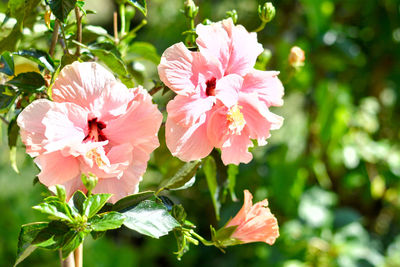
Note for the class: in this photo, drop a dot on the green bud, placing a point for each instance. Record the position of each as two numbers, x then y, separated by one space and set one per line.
129 12
191 9
232 14
206 22
266 12
89 181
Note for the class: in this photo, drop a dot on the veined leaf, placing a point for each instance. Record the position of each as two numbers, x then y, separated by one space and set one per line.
61 8
182 177
27 234
94 203
150 218
30 82
38 56
56 209
132 200
7 98
108 221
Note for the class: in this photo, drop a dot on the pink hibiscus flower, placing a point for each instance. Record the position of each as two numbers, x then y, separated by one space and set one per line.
213 81
255 223
95 125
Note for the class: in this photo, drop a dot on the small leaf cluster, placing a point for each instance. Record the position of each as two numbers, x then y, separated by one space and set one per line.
70 222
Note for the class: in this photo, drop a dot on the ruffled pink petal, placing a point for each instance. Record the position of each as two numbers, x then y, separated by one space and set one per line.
56 168
31 126
139 125
217 126
235 150
259 120
242 214
187 110
175 69
214 41
266 84
227 89
233 46
188 143
65 126
81 83
120 187
244 48
112 102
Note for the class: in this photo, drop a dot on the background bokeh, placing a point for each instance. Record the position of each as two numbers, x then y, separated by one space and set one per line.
331 173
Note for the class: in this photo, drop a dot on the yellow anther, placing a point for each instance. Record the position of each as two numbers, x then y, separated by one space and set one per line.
96 157
236 119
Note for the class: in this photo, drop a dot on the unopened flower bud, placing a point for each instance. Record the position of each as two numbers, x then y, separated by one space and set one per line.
266 12
191 9
232 14
89 181
296 57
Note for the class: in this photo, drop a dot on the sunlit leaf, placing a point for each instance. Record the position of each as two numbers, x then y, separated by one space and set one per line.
108 221
150 218
61 8
94 203
210 171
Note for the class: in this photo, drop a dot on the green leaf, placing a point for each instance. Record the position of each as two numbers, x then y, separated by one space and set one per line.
28 82
183 178
56 209
73 241
61 8
139 4
150 218
94 203
39 57
233 170
7 98
61 193
115 64
7 63
13 132
77 201
108 221
68 59
53 236
27 234
96 235
210 171
143 51
132 200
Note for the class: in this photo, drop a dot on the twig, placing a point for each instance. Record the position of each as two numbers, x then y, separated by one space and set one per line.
54 38
78 254
116 27
63 41
78 30
68 262
154 90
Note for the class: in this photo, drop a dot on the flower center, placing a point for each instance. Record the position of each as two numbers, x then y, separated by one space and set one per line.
95 131
96 157
210 90
236 119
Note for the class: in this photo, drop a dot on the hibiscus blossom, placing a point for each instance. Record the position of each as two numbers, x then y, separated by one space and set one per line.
95 125
255 223
213 88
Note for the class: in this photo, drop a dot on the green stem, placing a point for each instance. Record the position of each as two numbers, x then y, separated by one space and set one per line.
122 15
54 38
261 27
66 51
192 29
202 240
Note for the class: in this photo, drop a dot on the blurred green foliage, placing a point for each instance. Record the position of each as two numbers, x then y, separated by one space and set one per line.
331 173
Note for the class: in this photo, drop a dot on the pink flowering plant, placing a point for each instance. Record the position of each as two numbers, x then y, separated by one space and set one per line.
91 127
